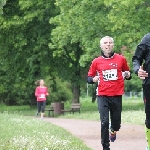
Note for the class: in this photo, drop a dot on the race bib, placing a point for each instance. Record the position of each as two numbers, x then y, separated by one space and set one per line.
42 96
110 75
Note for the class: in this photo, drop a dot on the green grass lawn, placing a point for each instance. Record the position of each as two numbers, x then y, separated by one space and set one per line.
133 111
20 131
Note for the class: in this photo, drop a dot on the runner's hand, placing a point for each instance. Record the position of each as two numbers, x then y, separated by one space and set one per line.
95 79
142 74
127 74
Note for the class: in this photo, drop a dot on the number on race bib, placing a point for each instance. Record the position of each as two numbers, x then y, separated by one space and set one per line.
110 75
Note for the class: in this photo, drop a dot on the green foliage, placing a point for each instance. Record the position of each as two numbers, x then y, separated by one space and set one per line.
135 84
127 20
2 3
60 91
126 24
75 38
61 38
79 22
24 51
84 23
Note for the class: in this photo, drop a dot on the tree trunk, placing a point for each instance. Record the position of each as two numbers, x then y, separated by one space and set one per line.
76 76
76 93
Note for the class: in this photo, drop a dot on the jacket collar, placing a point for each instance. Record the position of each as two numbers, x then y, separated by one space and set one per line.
111 55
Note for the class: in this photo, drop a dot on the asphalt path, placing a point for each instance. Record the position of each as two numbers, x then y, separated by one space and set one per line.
130 137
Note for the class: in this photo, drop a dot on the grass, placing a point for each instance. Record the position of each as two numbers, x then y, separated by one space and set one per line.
27 133
22 110
132 111
19 131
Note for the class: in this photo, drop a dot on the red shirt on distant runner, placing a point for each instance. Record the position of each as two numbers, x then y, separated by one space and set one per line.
41 93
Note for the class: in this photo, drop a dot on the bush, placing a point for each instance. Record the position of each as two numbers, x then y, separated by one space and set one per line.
60 91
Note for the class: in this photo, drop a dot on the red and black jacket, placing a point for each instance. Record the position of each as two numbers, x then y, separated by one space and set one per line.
109 70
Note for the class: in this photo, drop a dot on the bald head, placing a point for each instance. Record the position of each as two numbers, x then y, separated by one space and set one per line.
106 37
107 45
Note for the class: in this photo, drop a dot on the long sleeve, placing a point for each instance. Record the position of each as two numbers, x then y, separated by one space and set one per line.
91 72
47 93
36 92
125 65
126 68
139 55
137 59
90 80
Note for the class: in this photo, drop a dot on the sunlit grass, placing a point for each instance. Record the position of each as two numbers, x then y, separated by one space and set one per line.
19 130
22 110
27 133
133 117
132 112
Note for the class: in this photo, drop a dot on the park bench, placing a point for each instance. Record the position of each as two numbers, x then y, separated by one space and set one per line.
50 110
75 107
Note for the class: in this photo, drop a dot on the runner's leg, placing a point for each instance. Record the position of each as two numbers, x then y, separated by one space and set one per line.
115 112
146 96
103 107
43 108
38 106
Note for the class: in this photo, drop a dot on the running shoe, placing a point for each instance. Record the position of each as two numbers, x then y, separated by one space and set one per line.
112 135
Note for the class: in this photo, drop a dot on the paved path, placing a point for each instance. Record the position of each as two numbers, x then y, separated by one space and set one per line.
130 137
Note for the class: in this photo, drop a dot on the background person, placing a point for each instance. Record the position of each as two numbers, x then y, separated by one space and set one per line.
41 92
107 71
141 66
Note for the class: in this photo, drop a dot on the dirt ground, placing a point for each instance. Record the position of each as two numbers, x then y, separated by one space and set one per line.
130 137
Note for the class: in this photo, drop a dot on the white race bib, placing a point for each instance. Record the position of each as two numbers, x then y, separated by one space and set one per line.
110 75
42 96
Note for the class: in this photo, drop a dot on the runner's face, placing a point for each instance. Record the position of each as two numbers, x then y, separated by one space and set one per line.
107 45
41 82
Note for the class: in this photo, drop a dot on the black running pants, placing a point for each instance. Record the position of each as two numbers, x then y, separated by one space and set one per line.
110 108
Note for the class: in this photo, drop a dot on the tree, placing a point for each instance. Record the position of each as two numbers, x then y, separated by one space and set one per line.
2 3
25 55
127 20
128 25
75 38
